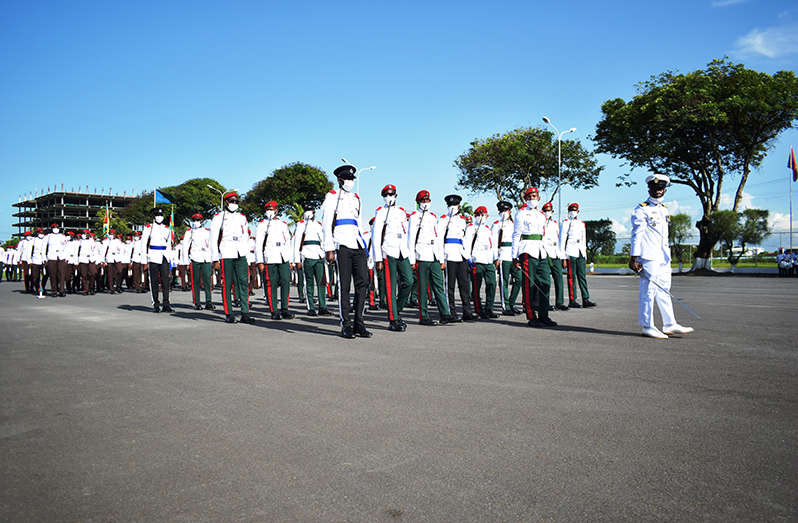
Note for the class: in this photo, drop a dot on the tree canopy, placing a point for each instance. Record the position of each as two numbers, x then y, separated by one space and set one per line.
741 228
679 231
600 238
506 165
296 183
698 128
191 197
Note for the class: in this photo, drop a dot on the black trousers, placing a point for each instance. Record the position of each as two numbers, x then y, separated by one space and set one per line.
458 272
162 270
352 266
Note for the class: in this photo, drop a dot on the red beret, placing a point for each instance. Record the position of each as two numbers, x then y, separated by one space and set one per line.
548 205
197 216
531 190
270 204
387 188
573 206
481 210
421 195
230 194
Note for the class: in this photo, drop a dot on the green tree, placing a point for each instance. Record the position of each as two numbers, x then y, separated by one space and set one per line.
295 213
626 250
191 197
117 223
679 231
600 238
296 183
506 165
466 209
725 226
699 127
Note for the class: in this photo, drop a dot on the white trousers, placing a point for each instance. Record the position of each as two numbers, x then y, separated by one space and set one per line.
655 283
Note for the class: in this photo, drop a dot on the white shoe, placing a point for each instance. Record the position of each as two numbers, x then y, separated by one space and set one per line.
676 329
653 332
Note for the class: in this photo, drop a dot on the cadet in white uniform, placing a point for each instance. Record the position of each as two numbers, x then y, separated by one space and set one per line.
392 256
482 245
344 244
197 253
651 258
453 226
54 244
573 244
156 252
551 240
229 249
275 261
309 258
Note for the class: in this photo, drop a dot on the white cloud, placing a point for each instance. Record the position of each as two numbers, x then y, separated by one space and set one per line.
620 228
772 42
781 222
727 202
724 3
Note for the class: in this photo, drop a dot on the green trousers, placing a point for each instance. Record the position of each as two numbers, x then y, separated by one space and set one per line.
556 277
314 275
398 278
576 274
235 272
430 273
535 275
511 283
277 276
483 272
300 284
200 272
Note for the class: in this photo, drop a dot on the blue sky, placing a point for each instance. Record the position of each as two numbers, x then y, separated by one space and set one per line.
133 96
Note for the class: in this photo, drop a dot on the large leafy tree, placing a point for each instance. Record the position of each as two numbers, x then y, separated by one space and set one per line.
740 228
600 238
296 183
701 128
680 230
506 165
190 197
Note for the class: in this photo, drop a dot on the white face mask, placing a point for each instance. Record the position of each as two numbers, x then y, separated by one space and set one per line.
85 236
270 215
424 206
55 230
453 209
533 203
389 199
41 235
572 214
232 207
197 225
548 214
159 219
308 215
348 185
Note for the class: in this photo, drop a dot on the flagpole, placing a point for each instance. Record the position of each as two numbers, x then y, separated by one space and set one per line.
792 179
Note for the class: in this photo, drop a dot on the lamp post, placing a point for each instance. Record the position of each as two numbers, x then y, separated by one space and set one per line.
559 165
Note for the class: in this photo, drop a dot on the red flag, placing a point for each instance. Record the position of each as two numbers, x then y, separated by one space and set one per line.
792 165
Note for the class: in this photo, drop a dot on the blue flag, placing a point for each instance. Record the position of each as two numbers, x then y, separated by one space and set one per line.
162 197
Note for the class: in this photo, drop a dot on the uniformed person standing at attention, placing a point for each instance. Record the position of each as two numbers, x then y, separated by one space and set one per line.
54 244
229 248
197 255
509 274
309 259
485 258
392 256
573 243
453 226
651 259
156 252
551 240
275 261
530 256
344 245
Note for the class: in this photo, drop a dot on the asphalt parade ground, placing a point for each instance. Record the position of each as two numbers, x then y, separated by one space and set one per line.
110 412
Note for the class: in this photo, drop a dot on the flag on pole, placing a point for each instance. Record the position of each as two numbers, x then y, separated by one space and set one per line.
163 197
106 221
792 165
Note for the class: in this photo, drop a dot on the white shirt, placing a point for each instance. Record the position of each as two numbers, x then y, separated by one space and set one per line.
273 242
197 245
234 243
529 221
505 243
481 243
342 208
423 239
650 232
308 231
159 249
393 241
573 238
453 229
551 240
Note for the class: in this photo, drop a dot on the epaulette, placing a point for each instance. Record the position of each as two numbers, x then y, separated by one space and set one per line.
301 221
217 214
332 191
433 214
378 209
664 205
644 204
263 220
401 209
461 216
443 216
148 225
497 221
356 196
285 222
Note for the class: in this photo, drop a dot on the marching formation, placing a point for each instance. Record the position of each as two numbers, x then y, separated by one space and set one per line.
400 260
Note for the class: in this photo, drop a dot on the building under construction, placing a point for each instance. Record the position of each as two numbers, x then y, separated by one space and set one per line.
72 211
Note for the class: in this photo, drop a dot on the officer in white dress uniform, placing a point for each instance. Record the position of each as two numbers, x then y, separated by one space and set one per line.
651 258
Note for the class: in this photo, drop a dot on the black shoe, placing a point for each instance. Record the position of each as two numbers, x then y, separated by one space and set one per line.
167 308
491 315
236 303
230 319
433 303
346 332
533 322
454 318
312 312
429 322
516 311
588 303
551 308
470 317
562 307
246 318
113 292
395 327
210 306
361 331
276 316
252 293
546 322
384 307
506 312
155 308
92 293
324 311
62 295
302 300
373 308
287 315
197 307
574 305
85 293
413 303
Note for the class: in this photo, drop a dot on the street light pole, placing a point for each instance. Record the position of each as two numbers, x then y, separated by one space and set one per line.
559 165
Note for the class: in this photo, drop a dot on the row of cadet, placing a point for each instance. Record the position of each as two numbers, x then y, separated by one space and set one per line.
787 260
